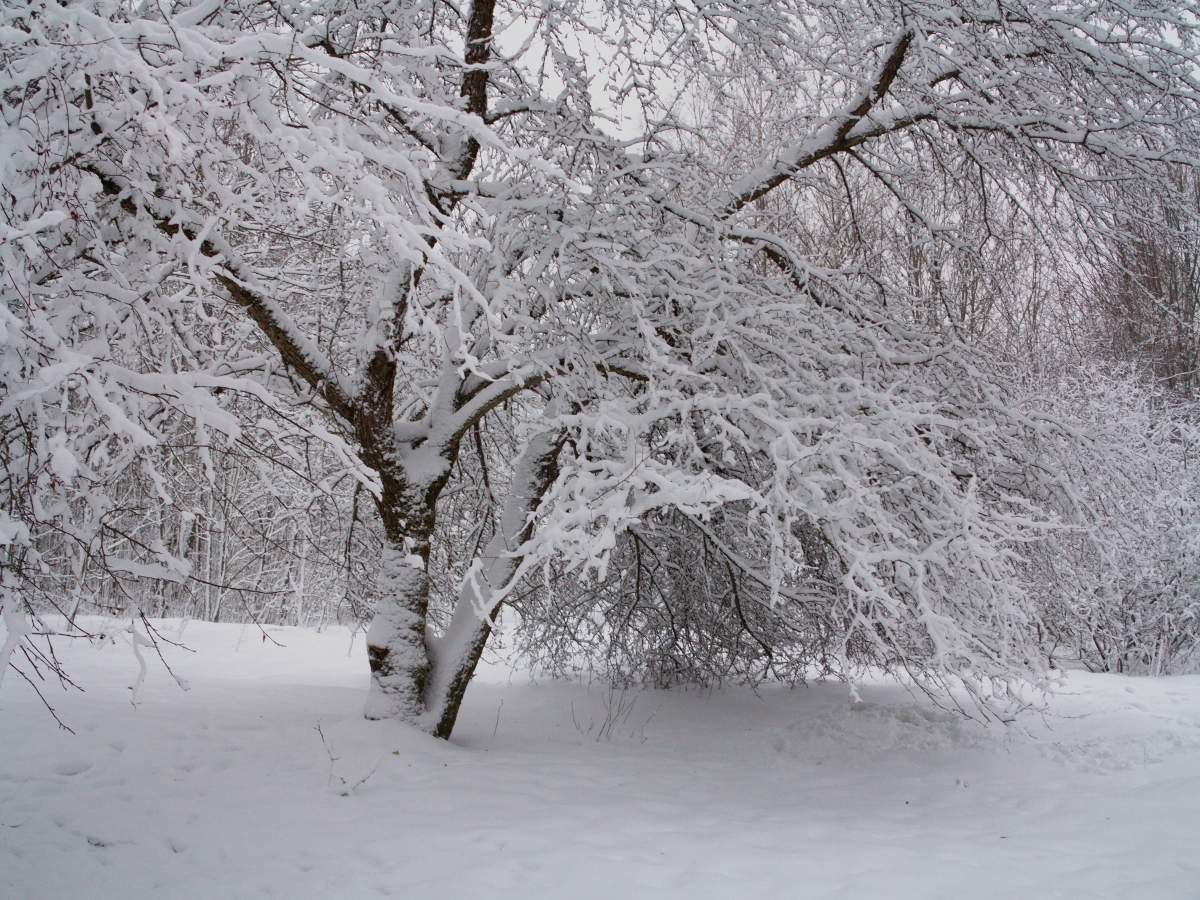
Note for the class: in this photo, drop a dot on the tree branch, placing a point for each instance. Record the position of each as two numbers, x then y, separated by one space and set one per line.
477 54
834 137
296 351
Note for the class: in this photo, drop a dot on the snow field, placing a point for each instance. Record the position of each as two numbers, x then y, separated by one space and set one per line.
565 790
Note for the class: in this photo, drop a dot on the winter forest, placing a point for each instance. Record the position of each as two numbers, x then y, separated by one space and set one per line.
733 388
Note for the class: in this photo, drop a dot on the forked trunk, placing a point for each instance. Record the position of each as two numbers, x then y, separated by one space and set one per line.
416 679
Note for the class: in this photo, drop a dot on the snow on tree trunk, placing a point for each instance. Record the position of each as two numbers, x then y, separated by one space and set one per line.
396 646
460 648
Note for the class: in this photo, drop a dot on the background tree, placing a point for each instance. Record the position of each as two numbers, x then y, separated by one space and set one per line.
1143 280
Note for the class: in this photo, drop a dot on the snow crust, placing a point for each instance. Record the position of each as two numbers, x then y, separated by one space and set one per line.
554 789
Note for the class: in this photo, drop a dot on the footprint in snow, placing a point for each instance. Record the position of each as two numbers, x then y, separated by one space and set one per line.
72 767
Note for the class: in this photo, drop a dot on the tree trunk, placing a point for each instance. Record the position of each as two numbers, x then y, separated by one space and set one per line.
457 652
396 647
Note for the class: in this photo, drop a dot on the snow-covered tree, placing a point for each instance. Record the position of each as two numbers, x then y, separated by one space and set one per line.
389 224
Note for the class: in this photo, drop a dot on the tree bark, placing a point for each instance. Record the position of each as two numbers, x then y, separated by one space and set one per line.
396 648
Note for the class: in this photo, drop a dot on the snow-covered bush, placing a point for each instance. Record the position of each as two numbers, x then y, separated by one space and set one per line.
684 602
1121 592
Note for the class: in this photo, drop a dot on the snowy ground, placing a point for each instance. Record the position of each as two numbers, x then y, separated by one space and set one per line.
228 790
